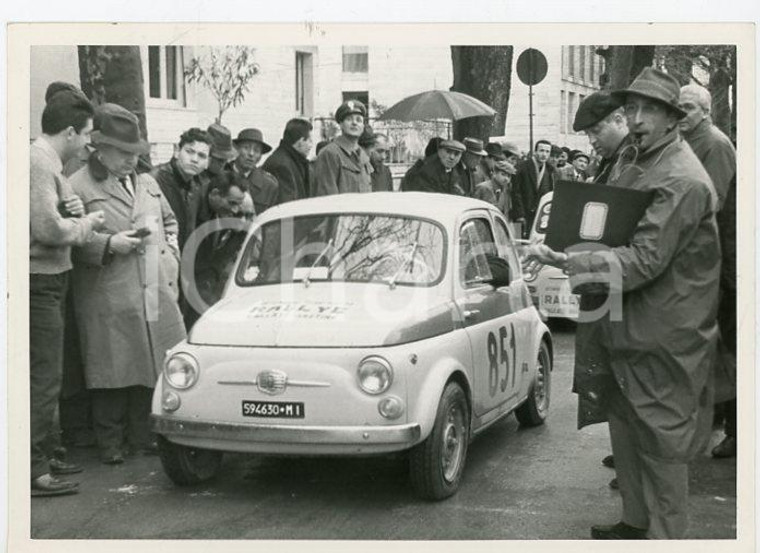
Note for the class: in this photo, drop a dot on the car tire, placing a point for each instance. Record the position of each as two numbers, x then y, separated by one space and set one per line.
436 465
186 466
535 409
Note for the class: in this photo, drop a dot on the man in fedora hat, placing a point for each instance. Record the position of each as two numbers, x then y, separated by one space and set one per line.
262 185
221 152
289 162
342 165
125 302
658 391
181 179
438 172
473 169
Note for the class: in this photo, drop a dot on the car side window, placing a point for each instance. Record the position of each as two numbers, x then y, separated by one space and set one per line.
506 248
475 241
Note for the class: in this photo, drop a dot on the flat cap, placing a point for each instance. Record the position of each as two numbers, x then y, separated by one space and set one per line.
349 107
452 145
511 149
595 108
506 167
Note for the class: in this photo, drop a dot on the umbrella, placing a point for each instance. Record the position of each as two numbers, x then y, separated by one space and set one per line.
437 104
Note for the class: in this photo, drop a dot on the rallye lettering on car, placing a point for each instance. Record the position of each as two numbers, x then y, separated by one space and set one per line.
354 325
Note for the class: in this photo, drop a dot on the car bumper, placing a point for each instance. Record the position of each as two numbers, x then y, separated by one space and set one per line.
287 439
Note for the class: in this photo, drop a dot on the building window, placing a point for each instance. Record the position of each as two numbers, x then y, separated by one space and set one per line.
563 112
582 64
166 79
355 59
304 83
361 95
571 61
594 61
570 110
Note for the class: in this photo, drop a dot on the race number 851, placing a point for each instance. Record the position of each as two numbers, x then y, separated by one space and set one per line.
498 357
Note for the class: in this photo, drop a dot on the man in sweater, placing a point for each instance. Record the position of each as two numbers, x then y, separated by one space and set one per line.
57 222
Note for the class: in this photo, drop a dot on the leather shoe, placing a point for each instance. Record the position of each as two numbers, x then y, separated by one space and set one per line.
619 531
609 462
614 484
47 486
58 466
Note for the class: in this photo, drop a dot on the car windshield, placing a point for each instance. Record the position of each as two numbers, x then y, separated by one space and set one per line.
345 247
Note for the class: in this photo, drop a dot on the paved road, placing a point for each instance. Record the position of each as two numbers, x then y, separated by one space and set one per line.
541 483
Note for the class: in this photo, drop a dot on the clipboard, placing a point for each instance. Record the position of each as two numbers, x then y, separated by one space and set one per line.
586 212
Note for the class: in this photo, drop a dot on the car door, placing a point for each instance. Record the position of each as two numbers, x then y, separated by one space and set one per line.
488 317
522 321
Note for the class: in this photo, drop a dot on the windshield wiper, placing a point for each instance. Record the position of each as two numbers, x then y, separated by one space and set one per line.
329 245
408 261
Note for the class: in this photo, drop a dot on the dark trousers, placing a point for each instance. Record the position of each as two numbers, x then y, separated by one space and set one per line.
121 417
727 326
74 405
46 296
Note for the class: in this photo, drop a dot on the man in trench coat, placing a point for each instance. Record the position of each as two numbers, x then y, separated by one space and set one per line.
125 286
659 352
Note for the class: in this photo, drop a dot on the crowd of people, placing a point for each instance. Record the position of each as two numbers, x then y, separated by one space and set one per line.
102 315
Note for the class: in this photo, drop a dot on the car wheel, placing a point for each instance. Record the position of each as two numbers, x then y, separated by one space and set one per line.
535 409
436 465
188 465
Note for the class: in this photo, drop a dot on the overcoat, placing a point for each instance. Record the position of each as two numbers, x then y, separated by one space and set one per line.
291 170
126 305
661 350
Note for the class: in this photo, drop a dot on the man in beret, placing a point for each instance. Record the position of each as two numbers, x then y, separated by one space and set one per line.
718 156
343 166
658 391
601 118
262 186
438 173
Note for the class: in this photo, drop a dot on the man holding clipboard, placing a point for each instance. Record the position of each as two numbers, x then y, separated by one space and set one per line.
659 348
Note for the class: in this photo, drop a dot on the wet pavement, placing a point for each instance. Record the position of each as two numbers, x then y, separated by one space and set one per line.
539 483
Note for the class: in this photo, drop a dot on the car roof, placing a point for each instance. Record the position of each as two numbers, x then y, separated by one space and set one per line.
440 207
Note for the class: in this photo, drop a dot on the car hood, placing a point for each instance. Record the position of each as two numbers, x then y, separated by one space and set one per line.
326 315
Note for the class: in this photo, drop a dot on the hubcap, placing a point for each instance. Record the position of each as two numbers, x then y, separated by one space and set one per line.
453 443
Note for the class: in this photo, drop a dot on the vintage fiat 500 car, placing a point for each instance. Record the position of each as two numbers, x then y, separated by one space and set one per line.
550 287
354 325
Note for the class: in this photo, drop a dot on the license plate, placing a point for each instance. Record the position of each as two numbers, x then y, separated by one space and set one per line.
273 409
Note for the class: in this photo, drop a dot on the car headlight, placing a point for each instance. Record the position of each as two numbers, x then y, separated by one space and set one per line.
375 375
181 370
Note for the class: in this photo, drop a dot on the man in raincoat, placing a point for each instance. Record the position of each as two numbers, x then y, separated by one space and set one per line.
125 286
660 349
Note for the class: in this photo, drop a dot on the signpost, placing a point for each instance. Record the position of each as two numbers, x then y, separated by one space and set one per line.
531 70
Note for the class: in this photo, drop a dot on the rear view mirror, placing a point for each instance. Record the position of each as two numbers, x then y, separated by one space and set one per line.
500 274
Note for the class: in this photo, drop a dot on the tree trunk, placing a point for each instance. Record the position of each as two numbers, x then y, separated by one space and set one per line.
114 74
484 72
623 64
720 80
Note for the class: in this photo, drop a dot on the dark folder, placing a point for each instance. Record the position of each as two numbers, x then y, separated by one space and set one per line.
583 212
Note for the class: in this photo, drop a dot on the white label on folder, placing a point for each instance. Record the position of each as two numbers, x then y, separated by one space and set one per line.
593 221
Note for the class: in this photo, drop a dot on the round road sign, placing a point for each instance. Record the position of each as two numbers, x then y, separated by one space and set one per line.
531 67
